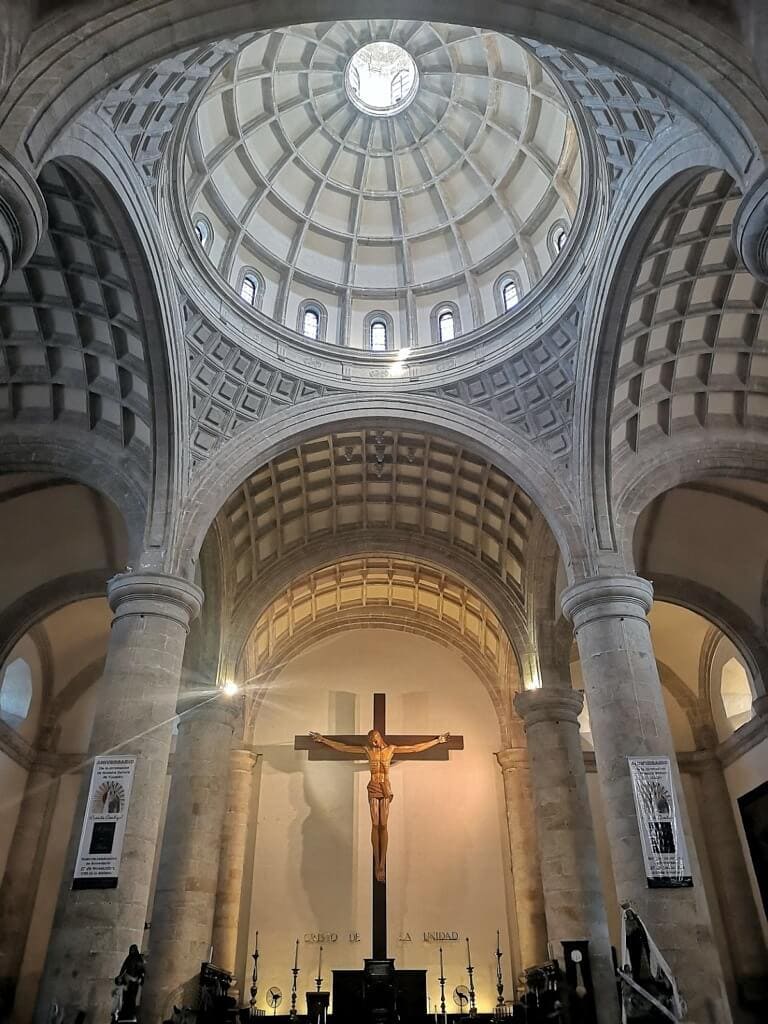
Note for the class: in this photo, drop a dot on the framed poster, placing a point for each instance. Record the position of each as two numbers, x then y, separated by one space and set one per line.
753 807
101 840
661 827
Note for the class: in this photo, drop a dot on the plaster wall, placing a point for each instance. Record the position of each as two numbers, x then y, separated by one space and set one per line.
13 778
312 852
47 894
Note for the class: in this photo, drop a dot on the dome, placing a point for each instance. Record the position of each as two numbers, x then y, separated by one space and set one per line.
382 184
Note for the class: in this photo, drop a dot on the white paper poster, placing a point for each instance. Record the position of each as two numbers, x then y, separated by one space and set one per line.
101 841
661 828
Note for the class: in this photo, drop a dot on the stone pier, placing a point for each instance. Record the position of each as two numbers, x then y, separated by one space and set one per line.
628 718
93 928
185 896
573 895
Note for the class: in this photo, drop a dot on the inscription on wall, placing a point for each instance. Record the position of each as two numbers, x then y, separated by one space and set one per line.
323 938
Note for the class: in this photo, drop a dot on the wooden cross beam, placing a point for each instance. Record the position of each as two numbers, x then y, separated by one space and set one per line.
319 751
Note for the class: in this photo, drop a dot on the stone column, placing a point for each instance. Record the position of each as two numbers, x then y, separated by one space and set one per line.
185 896
22 874
93 928
524 855
23 213
729 870
628 718
573 895
234 836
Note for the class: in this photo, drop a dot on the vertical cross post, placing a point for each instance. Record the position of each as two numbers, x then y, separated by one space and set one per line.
379 889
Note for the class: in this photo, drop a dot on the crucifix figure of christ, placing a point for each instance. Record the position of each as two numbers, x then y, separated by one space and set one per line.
379 750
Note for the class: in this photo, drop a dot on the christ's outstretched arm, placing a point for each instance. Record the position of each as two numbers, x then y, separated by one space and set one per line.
416 748
346 748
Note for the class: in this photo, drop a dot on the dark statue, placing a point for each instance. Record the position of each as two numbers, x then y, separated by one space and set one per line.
126 994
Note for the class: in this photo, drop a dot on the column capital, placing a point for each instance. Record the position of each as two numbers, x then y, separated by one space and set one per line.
607 597
549 705
220 709
23 215
148 593
750 229
512 759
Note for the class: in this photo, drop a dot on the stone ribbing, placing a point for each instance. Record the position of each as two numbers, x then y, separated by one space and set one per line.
628 718
185 896
524 855
234 836
93 929
573 896
22 873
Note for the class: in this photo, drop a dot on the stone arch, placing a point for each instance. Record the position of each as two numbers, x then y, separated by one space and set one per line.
38 604
689 47
104 167
476 432
486 647
661 175
727 617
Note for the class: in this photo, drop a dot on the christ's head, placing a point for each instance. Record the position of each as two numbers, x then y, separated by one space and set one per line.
376 739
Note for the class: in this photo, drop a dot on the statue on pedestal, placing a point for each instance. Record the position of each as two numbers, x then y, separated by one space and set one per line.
126 994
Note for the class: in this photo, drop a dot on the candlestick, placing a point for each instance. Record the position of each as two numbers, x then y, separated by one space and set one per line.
499 976
441 979
319 978
254 979
470 972
295 972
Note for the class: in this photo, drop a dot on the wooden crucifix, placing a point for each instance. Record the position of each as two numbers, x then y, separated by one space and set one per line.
379 750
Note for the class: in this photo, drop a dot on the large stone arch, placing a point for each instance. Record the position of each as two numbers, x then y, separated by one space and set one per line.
46 599
327 552
100 162
86 459
722 613
661 174
701 67
251 448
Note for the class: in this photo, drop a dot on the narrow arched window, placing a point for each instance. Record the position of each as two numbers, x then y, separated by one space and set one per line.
378 336
560 238
446 325
16 689
310 327
511 295
203 232
249 289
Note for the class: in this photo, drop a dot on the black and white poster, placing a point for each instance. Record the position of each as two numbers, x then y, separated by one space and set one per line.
101 840
661 828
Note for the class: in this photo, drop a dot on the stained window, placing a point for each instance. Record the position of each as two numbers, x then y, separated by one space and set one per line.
310 327
446 325
378 336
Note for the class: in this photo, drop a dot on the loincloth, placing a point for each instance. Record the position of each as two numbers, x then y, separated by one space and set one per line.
378 789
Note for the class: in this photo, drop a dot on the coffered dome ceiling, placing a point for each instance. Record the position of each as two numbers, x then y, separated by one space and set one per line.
398 179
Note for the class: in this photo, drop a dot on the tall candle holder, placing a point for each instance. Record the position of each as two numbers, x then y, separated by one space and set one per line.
254 980
295 972
319 978
441 979
470 972
499 975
